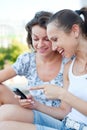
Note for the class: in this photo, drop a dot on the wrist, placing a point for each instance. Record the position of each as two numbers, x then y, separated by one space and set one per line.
38 106
63 94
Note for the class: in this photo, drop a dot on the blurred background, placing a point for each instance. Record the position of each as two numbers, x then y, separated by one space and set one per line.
14 14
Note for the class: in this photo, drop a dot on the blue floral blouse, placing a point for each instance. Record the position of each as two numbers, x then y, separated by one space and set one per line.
25 65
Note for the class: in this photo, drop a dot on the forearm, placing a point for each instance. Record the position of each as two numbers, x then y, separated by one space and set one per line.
75 102
6 74
55 112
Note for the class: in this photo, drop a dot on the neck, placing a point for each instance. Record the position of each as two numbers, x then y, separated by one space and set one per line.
81 66
81 51
48 59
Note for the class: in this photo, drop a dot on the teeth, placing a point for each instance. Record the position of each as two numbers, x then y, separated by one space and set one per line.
60 51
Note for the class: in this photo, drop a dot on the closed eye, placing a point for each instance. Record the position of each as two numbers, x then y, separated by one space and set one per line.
35 39
54 39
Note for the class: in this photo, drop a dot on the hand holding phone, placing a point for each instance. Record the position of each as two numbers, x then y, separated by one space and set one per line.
18 92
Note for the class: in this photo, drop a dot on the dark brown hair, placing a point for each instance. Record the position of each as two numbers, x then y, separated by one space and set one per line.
41 18
66 18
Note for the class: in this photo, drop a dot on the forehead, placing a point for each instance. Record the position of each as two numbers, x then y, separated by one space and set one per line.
52 29
52 26
39 31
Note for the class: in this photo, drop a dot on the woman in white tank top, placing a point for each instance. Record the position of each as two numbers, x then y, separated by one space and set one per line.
68 35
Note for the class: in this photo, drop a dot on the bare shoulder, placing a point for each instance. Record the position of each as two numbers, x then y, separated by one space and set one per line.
67 65
65 77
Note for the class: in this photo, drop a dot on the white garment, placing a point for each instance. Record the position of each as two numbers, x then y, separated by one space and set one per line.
78 87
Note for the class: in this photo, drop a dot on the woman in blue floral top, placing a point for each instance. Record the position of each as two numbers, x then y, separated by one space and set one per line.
42 66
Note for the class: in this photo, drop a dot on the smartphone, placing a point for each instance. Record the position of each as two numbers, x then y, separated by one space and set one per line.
18 92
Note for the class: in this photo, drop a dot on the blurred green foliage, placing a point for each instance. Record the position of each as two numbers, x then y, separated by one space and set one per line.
10 54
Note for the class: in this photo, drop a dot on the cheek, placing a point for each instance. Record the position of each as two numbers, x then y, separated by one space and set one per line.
69 48
34 44
65 43
48 43
54 46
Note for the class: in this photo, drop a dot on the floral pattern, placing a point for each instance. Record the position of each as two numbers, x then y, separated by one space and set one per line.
25 65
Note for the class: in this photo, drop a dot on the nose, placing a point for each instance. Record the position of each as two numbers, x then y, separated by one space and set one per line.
54 46
40 43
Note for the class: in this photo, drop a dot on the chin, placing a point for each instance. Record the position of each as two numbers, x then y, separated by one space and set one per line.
68 56
43 54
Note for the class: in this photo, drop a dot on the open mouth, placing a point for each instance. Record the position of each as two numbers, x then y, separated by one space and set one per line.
61 51
42 50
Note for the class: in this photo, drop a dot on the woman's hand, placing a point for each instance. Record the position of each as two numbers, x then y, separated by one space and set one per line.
29 103
51 91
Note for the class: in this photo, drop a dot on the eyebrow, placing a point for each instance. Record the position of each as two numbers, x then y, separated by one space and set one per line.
34 34
37 35
52 38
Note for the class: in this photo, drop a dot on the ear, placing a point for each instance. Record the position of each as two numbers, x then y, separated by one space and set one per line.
76 30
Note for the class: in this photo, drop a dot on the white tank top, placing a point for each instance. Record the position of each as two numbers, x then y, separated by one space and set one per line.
78 87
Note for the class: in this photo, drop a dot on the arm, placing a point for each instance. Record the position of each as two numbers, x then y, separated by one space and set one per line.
74 101
51 93
65 108
67 97
55 112
6 74
20 67
64 95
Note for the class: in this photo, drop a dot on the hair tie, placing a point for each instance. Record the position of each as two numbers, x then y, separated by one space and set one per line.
78 12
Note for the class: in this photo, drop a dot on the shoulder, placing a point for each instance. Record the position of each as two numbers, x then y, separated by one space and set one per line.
65 60
26 56
67 66
66 72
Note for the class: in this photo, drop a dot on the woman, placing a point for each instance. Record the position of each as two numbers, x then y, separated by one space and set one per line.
68 34
37 68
